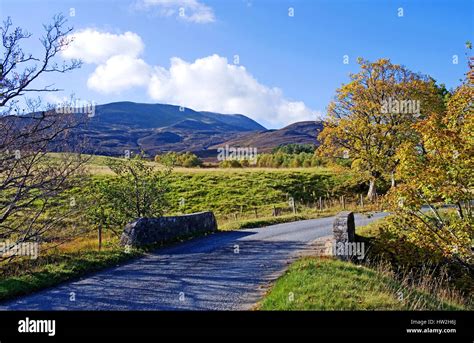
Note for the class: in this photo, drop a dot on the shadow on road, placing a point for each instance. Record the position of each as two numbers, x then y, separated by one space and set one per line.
223 275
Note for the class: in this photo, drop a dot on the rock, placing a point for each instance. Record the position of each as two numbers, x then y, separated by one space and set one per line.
148 231
343 235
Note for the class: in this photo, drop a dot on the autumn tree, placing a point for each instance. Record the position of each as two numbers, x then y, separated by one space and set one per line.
373 114
436 174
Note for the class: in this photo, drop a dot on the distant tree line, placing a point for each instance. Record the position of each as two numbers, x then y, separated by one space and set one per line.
281 159
284 156
295 148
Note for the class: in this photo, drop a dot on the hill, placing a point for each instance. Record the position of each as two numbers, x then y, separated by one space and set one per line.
159 128
304 132
155 128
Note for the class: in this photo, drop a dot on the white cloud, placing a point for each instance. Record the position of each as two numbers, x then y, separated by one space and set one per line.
189 10
119 73
207 84
212 84
93 46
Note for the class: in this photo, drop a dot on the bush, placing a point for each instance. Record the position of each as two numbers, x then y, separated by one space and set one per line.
410 245
230 164
174 159
282 159
137 190
293 149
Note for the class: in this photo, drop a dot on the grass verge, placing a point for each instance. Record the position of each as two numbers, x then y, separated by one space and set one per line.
325 284
51 270
68 262
266 221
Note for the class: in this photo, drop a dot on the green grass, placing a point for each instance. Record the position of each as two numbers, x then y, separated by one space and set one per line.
52 270
242 191
325 284
239 191
370 230
266 221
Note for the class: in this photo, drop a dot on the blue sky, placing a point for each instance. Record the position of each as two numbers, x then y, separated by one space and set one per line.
289 66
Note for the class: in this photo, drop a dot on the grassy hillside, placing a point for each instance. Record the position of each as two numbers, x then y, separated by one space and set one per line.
241 190
326 284
235 191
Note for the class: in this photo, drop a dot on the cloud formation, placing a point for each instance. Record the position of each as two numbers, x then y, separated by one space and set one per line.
212 84
188 10
207 84
119 73
93 46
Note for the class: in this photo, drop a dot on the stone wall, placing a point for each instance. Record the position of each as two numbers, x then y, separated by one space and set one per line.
148 231
344 234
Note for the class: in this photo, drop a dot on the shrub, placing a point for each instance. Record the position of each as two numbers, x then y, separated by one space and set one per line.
137 190
187 159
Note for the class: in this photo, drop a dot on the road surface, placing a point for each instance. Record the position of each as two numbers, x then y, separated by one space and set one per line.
223 271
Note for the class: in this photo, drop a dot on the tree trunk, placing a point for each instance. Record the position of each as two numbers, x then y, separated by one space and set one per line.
392 178
372 191
459 209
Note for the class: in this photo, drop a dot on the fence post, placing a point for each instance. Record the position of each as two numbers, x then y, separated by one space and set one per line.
99 236
292 204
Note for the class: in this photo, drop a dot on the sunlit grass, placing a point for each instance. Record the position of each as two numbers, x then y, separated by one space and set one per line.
325 284
57 264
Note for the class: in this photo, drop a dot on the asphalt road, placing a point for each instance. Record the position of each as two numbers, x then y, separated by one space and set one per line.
223 271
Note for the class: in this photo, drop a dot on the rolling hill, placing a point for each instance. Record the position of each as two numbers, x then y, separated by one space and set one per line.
304 132
159 128
156 128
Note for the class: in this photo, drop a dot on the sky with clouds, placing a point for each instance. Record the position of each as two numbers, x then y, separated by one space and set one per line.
275 61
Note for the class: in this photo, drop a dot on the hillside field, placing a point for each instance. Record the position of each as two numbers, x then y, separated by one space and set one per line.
238 191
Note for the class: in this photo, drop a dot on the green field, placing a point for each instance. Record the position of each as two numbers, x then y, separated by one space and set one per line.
241 192
237 191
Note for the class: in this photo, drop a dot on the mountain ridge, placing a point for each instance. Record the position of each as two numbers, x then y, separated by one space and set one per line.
158 128
304 132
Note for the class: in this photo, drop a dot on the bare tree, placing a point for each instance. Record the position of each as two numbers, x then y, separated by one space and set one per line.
15 83
33 184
